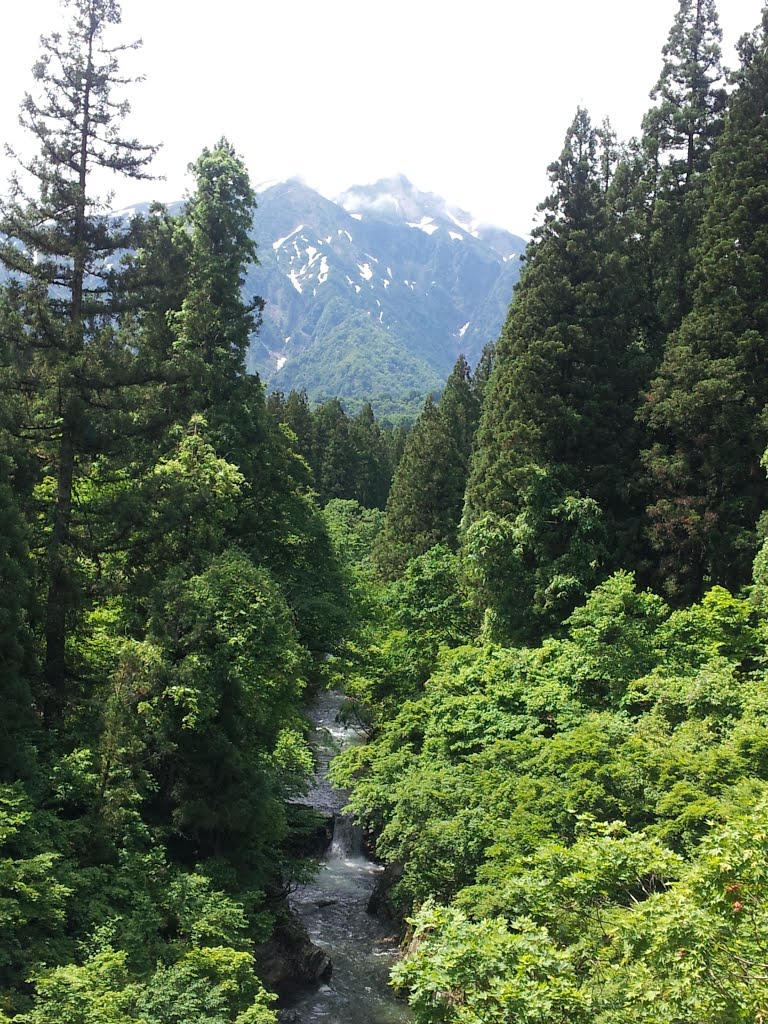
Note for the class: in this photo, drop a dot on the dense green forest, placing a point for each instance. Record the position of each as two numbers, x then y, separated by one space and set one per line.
169 585
547 602
566 680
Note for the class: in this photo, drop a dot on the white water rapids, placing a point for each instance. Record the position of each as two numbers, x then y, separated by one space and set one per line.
333 906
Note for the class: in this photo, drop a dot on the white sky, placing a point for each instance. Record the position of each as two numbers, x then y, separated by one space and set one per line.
470 100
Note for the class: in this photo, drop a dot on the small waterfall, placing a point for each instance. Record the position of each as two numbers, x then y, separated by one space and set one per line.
333 906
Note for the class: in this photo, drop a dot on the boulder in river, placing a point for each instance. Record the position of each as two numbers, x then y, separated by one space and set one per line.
380 903
290 959
311 831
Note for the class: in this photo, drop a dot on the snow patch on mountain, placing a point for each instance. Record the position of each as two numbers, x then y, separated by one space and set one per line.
413 265
281 241
397 198
426 224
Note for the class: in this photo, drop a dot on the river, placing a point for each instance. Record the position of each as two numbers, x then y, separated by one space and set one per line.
333 906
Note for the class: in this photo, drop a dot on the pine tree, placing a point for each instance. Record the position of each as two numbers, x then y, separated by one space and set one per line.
482 372
679 135
425 503
374 470
214 325
557 422
333 458
60 243
705 408
298 416
276 407
460 411
17 722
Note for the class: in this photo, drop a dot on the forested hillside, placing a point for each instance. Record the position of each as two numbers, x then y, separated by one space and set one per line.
168 583
546 602
565 676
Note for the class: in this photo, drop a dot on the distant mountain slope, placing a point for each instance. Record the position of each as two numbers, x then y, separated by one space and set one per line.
372 297
376 293
358 360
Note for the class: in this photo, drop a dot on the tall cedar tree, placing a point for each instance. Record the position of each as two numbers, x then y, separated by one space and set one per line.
349 458
374 469
680 133
707 405
560 402
332 458
62 245
425 503
213 328
298 417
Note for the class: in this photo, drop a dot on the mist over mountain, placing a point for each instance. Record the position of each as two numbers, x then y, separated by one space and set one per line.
375 295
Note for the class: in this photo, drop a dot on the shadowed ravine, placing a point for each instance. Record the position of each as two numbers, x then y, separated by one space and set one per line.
333 906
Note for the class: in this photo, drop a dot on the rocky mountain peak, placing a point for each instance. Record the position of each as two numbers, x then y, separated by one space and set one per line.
374 293
398 199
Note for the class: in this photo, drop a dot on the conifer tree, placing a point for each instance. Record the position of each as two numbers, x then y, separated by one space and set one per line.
276 407
679 135
332 454
214 325
374 472
298 416
425 503
705 408
482 372
299 419
59 242
557 422
17 722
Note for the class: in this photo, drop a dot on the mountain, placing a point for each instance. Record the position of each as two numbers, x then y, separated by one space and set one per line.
375 295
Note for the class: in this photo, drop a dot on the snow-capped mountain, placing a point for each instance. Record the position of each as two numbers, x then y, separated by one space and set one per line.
374 295
377 292
396 200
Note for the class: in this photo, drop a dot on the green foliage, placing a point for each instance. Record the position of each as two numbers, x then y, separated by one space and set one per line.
529 572
481 973
17 724
227 686
556 436
704 409
353 529
359 357
589 814
645 937
61 308
582 824
33 896
332 451
210 985
164 562
429 601
424 505
570 783
680 133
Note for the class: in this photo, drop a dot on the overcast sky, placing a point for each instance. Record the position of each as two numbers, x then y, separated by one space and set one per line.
470 100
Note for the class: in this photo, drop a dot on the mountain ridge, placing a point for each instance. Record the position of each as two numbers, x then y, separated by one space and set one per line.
436 280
